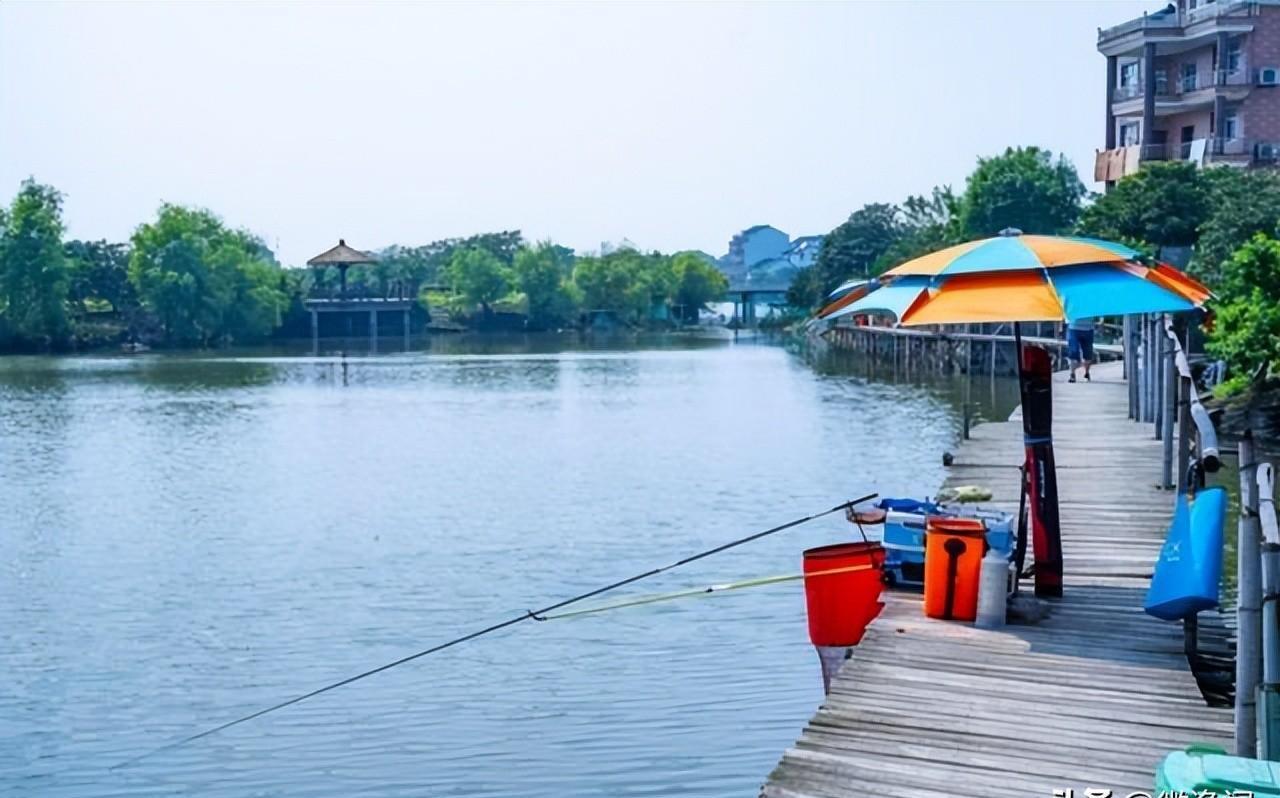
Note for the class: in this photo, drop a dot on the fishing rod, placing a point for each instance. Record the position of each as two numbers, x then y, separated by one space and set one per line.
528 615
709 590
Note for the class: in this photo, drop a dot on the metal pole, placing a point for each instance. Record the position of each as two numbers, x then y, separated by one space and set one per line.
1268 708
1248 624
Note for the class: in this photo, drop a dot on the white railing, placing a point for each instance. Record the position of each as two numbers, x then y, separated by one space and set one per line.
1220 9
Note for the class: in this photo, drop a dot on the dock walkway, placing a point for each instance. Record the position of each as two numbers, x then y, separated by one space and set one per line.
1091 697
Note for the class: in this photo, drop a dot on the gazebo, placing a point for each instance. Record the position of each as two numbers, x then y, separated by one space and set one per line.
344 257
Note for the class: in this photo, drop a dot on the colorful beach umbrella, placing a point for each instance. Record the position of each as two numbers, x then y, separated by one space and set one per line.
1015 278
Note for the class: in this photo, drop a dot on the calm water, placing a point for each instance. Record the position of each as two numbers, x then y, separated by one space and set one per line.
189 538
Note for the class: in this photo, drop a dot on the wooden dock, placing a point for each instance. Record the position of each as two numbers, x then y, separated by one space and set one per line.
1091 697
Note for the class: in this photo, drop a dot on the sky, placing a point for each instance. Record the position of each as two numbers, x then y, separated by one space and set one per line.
673 125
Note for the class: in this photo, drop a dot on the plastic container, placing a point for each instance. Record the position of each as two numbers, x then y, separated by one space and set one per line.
993 590
1189 570
1207 770
840 605
952 566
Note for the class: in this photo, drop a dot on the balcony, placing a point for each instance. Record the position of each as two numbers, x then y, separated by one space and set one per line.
1214 10
1164 26
1158 21
1178 89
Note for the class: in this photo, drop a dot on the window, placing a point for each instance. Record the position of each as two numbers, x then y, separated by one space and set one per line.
1188 77
1231 125
1231 62
1162 81
1128 134
1129 74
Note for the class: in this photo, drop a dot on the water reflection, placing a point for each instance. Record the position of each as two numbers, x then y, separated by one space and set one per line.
190 537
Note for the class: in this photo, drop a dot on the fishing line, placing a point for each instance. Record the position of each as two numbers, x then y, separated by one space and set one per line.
530 614
703 591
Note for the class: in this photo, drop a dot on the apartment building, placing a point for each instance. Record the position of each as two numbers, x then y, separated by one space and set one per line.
1198 80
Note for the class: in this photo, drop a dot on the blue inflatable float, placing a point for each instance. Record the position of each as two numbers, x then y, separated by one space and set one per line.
1189 570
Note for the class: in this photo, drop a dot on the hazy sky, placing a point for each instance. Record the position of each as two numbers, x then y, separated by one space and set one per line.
672 124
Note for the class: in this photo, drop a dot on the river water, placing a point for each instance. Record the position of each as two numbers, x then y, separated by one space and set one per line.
187 538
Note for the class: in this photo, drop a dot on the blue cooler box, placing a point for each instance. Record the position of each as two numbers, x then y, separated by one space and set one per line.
904 535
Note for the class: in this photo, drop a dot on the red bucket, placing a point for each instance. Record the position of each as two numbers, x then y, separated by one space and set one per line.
841 604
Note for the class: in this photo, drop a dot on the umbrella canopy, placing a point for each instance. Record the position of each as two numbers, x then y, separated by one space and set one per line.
1026 278
847 294
1012 251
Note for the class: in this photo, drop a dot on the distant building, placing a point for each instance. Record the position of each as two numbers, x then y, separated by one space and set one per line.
754 245
804 250
1198 80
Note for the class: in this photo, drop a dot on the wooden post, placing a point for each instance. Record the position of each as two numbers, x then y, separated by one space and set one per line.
1130 364
315 332
373 330
406 329
1248 604
1162 363
1167 413
1184 430
968 379
1268 708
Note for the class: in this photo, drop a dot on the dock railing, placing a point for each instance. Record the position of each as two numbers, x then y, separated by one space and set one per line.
1163 393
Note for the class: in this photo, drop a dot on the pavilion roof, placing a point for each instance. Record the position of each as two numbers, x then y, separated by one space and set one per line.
341 255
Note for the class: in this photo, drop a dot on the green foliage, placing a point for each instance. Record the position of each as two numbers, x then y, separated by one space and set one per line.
99 276
1246 333
543 274
202 281
1164 204
1023 188
478 276
850 250
928 224
877 237
1242 204
33 266
697 282
624 281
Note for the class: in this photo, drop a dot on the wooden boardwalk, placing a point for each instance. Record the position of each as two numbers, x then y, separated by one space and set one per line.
1092 696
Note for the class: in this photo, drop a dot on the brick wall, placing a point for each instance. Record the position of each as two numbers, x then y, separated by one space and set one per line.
1260 111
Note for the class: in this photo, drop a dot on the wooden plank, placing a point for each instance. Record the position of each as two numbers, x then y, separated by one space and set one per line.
1092 696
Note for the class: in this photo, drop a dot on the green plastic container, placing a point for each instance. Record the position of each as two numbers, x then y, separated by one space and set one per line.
1207 770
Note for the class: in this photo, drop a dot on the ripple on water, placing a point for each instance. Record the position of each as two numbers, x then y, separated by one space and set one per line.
190 538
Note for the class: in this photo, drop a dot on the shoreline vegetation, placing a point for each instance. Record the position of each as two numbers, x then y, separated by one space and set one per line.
187 279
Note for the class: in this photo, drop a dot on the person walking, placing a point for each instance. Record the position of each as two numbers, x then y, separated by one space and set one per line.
1080 346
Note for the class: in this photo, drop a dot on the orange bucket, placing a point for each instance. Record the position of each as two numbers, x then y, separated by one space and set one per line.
841 604
953 552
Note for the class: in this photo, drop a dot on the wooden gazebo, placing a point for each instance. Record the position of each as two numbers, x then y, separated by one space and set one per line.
344 257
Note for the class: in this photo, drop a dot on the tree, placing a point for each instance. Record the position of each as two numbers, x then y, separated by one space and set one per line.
850 250
203 281
33 267
542 274
697 282
1024 188
1246 332
478 276
624 281
99 275
928 224
1164 204
1241 205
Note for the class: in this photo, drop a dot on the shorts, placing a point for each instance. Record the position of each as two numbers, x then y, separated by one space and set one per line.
1080 345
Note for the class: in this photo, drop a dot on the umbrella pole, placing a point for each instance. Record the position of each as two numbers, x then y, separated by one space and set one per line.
1017 353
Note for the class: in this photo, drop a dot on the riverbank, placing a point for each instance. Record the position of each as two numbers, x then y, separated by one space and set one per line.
1092 696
